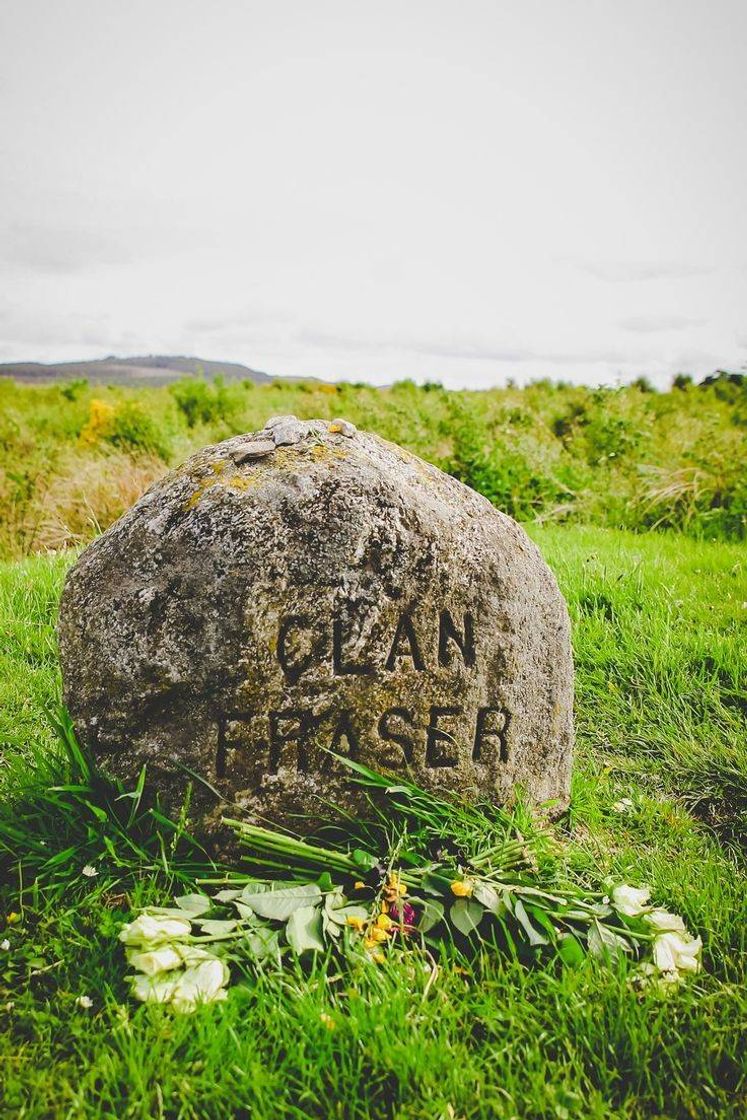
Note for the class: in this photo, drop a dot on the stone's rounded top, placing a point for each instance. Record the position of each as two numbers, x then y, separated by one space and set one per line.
310 588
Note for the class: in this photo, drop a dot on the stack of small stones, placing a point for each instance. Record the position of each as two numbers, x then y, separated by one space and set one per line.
283 431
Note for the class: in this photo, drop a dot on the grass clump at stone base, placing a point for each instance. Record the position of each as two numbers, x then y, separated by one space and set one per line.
659 798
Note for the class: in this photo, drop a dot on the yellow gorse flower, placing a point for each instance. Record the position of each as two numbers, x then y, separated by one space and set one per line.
462 888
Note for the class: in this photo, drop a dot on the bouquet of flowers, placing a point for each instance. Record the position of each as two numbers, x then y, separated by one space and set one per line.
428 876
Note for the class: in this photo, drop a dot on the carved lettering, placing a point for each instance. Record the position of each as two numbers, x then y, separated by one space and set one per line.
492 723
345 730
292 662
405 742
220 750
405 632
431 740
435 753
301 722
464 641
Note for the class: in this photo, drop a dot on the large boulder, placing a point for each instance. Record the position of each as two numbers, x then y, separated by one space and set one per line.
308 589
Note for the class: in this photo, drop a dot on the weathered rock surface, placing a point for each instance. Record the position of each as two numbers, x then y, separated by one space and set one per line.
308 587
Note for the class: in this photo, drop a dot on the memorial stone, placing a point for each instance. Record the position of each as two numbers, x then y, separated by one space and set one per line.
310 589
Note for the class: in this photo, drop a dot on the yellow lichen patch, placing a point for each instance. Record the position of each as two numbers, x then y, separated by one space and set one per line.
205 483
321 451
242 481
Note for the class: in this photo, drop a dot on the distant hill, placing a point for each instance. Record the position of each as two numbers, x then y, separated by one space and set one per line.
155 369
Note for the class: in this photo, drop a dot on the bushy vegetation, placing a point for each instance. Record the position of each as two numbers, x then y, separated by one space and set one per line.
73 457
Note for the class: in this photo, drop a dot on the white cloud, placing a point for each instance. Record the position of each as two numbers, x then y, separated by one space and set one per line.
652 324
634 272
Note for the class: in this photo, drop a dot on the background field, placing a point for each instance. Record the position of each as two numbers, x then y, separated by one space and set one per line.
73 456
659 636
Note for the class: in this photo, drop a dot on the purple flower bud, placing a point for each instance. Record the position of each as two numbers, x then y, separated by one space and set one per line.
404 914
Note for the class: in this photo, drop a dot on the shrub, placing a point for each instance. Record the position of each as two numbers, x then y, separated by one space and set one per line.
201 402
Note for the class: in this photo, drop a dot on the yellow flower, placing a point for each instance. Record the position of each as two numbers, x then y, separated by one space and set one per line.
100 422
335 428
462 888
384 921
12 918
358 885
395 886
356 923
378 934
328 1021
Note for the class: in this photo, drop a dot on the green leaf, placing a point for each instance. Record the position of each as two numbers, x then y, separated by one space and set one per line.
324 881
304 930
330 928
535 937
466 915
194 904
543 920
488 896
280 904
227 896
244 910
433 913
364 860
217 928
571 951
340 915
263 942
604 942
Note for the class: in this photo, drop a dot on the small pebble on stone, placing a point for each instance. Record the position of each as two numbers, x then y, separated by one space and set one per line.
289 431
255 450
343 427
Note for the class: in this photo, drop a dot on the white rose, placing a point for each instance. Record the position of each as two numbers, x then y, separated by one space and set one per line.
630 901
153 990
151 929
202 984
674 953
193 954
662 920
153 961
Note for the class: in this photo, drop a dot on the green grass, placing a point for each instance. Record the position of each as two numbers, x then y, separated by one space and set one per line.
659 628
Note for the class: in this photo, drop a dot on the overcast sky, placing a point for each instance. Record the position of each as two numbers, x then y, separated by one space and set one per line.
449 189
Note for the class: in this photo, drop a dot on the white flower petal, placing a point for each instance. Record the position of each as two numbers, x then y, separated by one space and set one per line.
149 929
153 961
204 983
153 990
630 901
662 920
675 953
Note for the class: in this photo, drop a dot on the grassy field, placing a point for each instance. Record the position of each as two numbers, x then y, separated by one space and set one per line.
659 636
73 457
